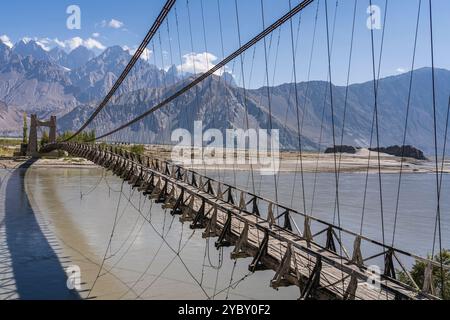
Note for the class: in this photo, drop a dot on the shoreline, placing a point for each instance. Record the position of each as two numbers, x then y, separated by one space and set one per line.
325 164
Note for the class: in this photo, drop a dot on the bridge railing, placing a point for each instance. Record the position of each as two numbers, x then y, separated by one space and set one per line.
280 216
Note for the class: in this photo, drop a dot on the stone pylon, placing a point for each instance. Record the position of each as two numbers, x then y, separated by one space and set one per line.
33 140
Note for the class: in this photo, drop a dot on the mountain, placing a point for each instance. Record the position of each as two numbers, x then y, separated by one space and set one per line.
9 116
228 78
57 55
35 85
78 57
70 85
97 76
54 82
221 105
5 53
31 48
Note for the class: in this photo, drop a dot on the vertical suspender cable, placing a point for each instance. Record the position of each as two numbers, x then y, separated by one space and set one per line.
244 89
268 94
438 194
405 132
159 20
300 144
334 132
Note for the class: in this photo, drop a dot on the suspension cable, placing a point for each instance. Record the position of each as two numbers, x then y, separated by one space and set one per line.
334 136
347 89
376 85
269 99
438 194
405 132
300 143
151 33
244 88
217 67
377 125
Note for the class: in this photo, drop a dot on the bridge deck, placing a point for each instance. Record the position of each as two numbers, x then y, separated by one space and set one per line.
297 259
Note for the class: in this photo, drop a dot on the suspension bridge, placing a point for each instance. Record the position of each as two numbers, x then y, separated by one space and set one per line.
257 228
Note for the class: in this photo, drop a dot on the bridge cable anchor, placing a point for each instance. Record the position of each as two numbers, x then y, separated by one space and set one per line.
200 218
357 258
313 282
284 269
241 244
211 229
257 264
225 234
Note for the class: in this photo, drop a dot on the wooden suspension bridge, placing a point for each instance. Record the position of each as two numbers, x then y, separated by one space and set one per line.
250 223
274 236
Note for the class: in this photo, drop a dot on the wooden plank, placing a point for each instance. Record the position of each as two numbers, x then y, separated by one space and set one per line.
336 270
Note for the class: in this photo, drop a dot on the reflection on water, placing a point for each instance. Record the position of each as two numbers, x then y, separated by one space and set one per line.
139 262
31 268
81 205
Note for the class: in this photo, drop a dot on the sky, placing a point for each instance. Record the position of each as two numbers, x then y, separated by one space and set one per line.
105 23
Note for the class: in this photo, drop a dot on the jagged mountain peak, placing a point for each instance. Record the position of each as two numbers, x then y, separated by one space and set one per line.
4 46
31 48
114 51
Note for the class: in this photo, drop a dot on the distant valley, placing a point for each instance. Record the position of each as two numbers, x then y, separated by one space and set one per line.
70 85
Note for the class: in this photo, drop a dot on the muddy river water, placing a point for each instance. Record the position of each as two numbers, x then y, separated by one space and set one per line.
55 219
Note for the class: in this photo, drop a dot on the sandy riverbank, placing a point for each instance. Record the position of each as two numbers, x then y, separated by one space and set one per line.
289 162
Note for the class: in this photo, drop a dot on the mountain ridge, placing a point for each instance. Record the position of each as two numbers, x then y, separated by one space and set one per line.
47 86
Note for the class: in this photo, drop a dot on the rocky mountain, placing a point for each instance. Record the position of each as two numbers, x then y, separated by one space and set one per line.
35 85
77 58
5 53
221 105
71 84
97 76
55 82
25 48
9 116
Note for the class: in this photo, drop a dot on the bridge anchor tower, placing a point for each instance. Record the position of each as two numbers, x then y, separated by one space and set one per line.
33 140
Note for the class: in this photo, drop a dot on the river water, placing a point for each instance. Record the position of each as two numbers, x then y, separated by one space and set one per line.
53 219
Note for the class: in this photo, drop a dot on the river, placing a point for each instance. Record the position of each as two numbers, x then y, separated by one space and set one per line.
64 217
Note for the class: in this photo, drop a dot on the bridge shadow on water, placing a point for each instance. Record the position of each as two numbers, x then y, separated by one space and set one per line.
37 271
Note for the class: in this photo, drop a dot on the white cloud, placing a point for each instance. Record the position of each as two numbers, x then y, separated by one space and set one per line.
45 43
93 44
5 39
400 70
146 55
76 42
26 39
59 43
70 44
113 23
198 63
96 35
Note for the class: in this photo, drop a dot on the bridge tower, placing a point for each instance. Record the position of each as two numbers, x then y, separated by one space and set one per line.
33 140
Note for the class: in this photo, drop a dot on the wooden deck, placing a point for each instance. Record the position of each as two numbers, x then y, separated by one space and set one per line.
320 272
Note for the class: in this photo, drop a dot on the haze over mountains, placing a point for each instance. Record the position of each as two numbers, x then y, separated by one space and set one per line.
71 84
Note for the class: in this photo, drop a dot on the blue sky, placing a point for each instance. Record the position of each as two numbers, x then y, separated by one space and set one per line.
116 22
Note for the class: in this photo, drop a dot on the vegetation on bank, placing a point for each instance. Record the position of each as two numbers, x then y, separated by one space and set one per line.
10 142
83 137
418 274
137 149
8 146
6 152
45 139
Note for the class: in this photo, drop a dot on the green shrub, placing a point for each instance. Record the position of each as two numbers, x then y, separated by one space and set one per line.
418 272
137 149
